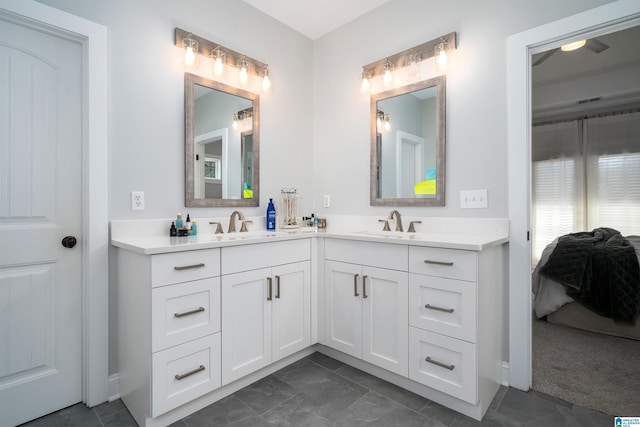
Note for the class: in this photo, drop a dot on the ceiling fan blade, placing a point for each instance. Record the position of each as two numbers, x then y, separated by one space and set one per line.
596 45
545 56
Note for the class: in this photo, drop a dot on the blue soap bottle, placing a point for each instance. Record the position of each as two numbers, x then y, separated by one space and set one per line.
271 216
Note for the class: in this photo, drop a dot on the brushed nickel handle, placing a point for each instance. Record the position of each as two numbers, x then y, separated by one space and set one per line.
412 228
355 285
434 307
218 228
442 365
187 267
430 261
270 294
188 374
277 286
364 286
186 313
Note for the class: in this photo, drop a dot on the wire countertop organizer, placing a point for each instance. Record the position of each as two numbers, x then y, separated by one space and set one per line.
289 208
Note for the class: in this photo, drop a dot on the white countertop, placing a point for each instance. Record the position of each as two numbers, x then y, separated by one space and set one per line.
154 244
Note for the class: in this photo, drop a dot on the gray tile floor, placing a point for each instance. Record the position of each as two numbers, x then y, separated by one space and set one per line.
320 391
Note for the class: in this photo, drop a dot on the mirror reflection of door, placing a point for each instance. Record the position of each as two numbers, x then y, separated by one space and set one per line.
247 164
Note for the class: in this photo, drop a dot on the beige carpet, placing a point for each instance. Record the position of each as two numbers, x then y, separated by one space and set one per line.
597 371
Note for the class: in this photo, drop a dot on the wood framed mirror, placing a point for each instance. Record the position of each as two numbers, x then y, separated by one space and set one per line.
408 145
222 144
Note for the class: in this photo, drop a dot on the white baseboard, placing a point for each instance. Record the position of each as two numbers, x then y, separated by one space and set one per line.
505 374
114 387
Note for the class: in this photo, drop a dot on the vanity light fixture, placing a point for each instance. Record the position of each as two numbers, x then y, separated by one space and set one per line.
241 116
383 121
410 59
222 57
190 46
235 121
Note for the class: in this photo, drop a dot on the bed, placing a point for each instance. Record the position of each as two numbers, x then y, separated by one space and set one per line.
551 300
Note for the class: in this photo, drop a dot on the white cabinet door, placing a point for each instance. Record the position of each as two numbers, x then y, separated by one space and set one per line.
343 307
385 326
246 323
291 319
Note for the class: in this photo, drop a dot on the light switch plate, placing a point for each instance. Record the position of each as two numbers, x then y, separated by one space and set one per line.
474 199
326 201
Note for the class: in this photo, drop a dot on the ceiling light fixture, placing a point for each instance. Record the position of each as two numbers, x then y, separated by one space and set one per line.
573 46
221 57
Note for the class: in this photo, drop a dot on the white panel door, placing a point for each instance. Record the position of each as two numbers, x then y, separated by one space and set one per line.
385 328
291 317
343 307
40 188
246 323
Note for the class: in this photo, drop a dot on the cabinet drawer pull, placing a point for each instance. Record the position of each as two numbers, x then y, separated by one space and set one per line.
188 374
364 286
433 307
187 267
442 365
277 286
270 289
355 285
431 261
186 313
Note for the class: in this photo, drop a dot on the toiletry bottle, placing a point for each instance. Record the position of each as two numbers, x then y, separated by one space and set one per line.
314 222
187 224
172 231
194 228
179 221
271 216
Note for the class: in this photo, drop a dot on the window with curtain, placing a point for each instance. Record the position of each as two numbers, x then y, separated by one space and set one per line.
585 174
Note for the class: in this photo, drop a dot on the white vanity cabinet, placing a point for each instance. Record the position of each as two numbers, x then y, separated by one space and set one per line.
266 305
168 329
455 323
366 313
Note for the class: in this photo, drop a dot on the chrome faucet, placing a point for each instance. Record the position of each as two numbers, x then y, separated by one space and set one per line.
232 220
398 219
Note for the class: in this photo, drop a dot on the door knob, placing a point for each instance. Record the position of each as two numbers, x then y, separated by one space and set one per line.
69 242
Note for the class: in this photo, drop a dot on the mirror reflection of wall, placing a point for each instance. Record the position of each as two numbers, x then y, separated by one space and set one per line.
214 115
407 142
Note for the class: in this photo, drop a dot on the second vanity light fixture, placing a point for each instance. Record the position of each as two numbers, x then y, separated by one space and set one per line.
409 59
222 57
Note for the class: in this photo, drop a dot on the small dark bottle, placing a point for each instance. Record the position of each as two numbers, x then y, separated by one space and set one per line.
173 231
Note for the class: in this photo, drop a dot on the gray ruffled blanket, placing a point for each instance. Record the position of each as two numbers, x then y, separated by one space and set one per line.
600 270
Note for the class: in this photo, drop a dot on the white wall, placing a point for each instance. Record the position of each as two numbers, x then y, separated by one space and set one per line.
315 124
476 154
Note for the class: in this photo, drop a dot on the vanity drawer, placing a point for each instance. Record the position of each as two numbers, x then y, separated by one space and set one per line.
184 266
445 364
236 259
382 255
444 306
449 263
183 373
184 312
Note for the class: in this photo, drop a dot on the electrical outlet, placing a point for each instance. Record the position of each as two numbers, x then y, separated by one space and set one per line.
473 199
137 200
326 201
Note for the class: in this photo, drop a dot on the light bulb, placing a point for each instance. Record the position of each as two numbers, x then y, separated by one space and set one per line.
243 76
387 77
442 60
387 123
266 80
379 122
365 85
189 57
235 121
218 66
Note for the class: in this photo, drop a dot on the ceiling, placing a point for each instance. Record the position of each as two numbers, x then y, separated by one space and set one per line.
315 18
